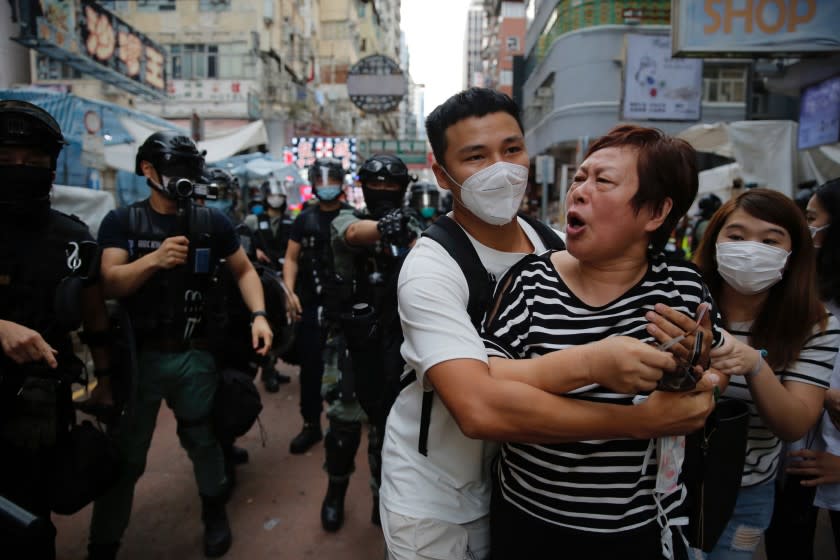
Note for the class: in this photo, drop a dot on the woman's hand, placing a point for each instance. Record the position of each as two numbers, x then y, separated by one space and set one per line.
293 307
627 365
735 357
666 323
819 466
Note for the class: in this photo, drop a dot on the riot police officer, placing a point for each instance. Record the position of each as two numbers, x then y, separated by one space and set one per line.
309 278
227 196
366 247
269 231
48 263
158 258
425 199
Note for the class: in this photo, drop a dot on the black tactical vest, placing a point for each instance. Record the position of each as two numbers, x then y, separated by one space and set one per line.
170 305
316 274
33 264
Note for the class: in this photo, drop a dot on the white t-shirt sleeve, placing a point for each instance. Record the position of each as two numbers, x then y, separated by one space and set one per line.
433 296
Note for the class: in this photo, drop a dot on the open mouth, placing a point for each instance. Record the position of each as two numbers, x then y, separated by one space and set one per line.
574 223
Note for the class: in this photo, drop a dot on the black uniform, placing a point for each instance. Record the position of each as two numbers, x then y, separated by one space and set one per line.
314 287
35 402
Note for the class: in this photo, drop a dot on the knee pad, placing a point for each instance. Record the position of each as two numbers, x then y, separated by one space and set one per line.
340 443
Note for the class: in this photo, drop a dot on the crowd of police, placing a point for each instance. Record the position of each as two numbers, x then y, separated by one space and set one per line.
187 296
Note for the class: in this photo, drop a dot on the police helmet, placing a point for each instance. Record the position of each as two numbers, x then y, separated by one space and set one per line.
386 168
425 198
275 193
227 182
171 153
708 205
326 170
25 124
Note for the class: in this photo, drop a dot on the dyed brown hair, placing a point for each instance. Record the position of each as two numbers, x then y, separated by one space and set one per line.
792 307
666 167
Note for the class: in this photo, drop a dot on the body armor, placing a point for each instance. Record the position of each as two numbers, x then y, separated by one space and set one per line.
170 305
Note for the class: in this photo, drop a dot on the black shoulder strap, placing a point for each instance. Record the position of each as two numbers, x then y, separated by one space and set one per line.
201 222
451 237
137 214
546 233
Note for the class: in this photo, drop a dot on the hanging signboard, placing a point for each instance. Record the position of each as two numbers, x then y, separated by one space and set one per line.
94 41
376 84
746 28
305 150
657 86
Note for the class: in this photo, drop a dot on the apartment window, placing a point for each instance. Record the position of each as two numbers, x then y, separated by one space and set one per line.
214 5
156 5
225 61
512 44
506 78
724 83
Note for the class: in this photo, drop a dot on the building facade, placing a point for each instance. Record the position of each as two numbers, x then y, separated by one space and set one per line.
575 68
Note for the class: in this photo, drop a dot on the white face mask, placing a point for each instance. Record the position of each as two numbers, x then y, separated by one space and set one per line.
815 230
750 267
494 193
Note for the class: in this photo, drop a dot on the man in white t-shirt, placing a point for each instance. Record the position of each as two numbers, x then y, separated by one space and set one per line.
436 505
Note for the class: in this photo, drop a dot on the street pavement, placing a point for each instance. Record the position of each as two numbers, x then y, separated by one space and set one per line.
275 509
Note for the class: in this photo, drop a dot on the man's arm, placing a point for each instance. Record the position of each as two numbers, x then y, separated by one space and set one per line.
252 294
495 409
361 233
121 278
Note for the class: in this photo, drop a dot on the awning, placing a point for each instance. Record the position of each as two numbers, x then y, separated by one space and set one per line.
765 150
122 156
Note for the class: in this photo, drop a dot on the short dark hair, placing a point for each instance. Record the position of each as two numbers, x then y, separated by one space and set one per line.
472 102
666 167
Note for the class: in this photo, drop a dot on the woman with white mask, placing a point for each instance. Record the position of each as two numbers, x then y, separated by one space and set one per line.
758 261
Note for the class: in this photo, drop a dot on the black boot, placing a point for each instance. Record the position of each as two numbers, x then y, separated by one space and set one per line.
271 381
332 510
107 551
239 455
308 436
217 537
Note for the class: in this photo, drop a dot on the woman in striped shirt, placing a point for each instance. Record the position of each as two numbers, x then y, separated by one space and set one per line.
758 261
605 498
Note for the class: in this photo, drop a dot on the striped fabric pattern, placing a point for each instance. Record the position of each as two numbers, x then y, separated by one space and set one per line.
594 486
813 367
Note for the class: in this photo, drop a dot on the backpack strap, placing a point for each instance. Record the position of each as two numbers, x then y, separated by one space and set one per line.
546 232
451 237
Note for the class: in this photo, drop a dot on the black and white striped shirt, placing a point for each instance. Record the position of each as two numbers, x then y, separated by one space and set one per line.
813 366
595 486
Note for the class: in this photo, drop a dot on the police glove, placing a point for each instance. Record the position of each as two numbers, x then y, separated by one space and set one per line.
394 228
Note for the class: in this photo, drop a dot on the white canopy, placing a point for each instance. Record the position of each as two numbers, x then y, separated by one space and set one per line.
122 156
766 153
88 204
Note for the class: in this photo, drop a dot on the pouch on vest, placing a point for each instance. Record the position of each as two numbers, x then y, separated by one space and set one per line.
34 421
236 406
88 466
